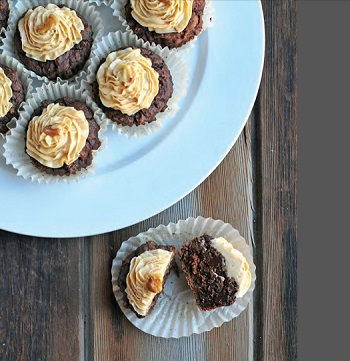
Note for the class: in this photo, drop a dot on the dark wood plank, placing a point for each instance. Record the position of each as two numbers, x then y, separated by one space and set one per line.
275 172
41 298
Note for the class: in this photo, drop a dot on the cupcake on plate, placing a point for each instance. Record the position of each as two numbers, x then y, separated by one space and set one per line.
135 85
56 136
165 23
143 274
215 271
11 96
53 41
15 86
4 14
132 86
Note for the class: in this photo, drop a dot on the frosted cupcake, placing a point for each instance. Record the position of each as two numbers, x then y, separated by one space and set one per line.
4 14
57 136
169 24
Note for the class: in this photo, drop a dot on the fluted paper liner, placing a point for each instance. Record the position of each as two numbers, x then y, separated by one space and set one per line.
177 67
15 140
25 80
207 18
176 313
88 11
99 2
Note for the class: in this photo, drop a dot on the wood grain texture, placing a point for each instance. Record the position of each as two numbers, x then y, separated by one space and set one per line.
275 190
41 297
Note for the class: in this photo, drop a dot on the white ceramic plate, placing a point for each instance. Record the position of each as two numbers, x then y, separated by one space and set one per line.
138 178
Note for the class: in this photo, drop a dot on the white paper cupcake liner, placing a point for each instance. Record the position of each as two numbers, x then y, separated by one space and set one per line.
25 80
88 11
15 140
100 2
177 67
176 314
118 10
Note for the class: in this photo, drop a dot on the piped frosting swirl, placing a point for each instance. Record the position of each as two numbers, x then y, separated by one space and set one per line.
5 93
48 32
57 136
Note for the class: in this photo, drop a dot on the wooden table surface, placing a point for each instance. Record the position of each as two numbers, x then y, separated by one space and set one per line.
56 300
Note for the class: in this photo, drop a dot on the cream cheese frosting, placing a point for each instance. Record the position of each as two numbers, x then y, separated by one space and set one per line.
5 93
48 32
162 16
127 81
57 136
236 264
145 278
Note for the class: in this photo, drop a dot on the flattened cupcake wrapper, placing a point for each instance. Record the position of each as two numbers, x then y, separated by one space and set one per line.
177 67
15 140
119 11
176 313
88 11
25 81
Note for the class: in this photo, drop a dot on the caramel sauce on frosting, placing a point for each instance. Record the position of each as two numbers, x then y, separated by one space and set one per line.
236 264
48 32
145 278
57 136
127 81
5 93
162 16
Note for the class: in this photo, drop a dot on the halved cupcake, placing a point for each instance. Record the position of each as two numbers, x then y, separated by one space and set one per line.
143 274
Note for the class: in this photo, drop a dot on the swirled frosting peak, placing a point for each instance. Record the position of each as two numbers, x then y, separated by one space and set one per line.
236 263
145 278
162 16
57 136
127 81
5 93
48 32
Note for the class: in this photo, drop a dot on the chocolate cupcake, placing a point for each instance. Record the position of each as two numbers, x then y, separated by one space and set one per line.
216 272
53 41
57 136
61 136
132 86
143 274
135 86
11 96
4 14
169 24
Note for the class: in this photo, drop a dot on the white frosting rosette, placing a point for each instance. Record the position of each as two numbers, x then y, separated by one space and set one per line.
88 11
25 80
176 313
15 144
177 67
119 11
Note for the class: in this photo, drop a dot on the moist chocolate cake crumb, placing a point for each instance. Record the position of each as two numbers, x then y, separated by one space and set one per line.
206 274
124 270
92 141
16 99
4 13
159 103
67 64
171 40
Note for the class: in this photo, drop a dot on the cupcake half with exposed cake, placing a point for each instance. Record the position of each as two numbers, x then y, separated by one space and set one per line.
143 274
135 86
216 272
56 137
169 24
53 39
